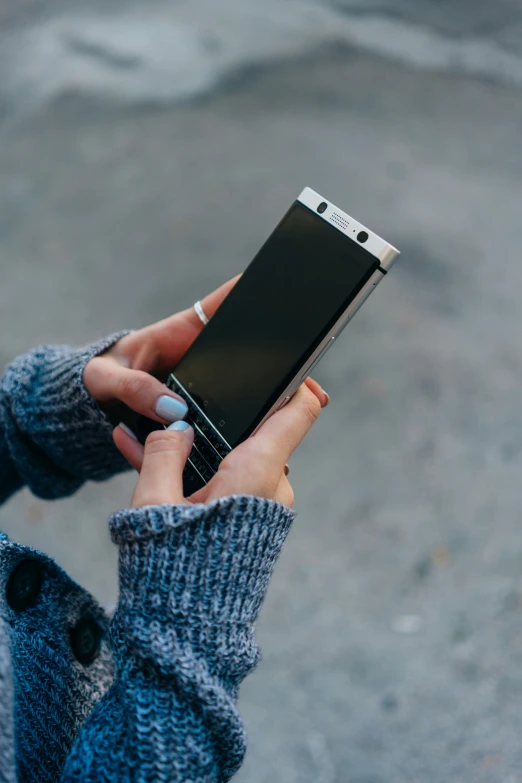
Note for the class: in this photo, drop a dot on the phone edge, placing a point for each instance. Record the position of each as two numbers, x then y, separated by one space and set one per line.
347 225
383 251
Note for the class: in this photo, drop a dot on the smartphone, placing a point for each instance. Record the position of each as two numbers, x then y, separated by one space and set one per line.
286 311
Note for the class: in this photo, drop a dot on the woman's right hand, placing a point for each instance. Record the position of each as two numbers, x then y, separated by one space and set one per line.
255 467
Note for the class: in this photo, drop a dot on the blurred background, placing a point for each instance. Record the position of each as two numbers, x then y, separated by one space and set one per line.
146 152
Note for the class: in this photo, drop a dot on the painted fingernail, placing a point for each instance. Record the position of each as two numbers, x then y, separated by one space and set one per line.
179 426
327 403
287 470
127 430
171 409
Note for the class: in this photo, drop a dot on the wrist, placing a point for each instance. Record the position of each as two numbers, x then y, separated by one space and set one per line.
56 433
196 576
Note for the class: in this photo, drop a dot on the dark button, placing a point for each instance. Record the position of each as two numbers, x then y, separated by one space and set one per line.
85 639
192 481
221 449
24 584
208 453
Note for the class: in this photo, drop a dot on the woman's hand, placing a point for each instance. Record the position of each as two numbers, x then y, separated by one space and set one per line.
129 371
255 467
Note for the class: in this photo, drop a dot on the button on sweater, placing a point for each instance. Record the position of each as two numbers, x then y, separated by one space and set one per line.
149 695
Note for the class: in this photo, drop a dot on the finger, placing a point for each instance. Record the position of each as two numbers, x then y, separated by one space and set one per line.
129 446
210 303
280 435
173 336
161 477
108 380
319 392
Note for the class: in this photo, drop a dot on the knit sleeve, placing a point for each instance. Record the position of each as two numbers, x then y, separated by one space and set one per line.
53 434
192 581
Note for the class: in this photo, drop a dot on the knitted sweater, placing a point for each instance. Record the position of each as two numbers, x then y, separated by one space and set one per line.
151 695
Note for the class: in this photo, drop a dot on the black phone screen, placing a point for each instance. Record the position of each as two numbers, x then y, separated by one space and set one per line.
285 303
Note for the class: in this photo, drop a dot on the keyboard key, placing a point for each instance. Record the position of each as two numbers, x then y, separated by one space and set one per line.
174 386
207 453
210 444
221 448
200 421
192 481
195 459
210 434
200 464
200 436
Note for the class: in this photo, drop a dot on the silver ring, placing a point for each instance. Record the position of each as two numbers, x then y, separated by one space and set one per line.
200 313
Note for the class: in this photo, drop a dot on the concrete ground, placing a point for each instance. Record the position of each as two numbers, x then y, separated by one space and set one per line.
392 632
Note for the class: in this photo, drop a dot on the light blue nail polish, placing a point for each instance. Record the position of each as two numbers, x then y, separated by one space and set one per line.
127 430
171 409
179 425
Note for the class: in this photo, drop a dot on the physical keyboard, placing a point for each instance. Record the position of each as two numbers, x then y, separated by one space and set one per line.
209 447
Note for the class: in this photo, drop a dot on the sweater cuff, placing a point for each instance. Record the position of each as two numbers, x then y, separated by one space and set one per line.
57 435
194 578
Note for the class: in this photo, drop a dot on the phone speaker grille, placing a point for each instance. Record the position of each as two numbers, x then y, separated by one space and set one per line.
339 220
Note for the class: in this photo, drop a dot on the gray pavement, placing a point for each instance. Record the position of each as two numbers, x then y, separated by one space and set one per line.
392 632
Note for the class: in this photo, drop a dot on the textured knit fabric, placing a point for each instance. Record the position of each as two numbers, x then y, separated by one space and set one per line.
53 436
54 693
158 700
7 750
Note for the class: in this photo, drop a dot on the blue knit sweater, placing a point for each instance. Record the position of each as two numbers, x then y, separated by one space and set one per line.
151 695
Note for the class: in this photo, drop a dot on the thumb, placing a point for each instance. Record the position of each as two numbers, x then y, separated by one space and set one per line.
164 458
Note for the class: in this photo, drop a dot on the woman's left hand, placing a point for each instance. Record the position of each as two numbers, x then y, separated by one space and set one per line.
129 371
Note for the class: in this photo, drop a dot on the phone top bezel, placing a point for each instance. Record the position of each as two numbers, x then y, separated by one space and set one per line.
347 225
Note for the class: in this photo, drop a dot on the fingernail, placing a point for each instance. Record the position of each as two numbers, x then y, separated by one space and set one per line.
327 403
179 426
127 430
171 409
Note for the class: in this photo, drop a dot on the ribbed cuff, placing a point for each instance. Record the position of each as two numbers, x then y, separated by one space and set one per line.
194 577
57 435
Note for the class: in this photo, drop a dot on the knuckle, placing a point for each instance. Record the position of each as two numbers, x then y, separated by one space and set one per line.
155 437
244 471
161 442
133 384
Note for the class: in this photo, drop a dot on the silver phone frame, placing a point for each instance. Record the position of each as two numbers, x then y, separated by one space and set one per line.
385 253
